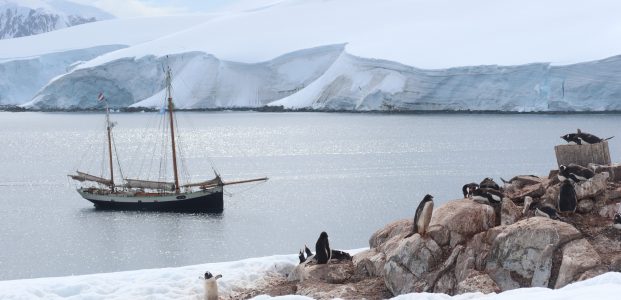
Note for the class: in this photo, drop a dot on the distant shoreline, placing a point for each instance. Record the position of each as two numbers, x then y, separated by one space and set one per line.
15 108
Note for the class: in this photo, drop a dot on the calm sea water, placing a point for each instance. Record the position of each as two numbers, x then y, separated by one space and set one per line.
347 174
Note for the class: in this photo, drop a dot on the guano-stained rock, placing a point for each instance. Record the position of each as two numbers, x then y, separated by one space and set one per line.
369 263
449 220
478 282
408 262
518 249
578 257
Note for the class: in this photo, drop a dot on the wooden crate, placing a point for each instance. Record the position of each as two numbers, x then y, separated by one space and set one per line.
583 154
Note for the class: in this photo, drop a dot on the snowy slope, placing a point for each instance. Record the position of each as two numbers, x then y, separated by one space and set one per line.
183 283
393 52
29 17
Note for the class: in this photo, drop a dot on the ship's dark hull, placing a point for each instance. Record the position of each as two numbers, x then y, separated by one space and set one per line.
213 202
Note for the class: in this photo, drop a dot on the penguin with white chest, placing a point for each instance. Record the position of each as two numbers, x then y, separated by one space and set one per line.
211 286
422 217
616 223
567 200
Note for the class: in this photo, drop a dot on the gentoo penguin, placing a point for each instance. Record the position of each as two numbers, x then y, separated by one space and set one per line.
567 200
322 249
468 188
338 254
616 223
422 217
590 138
487 196
211 286
301 256
308 252
572 137
546 211
574 172
489 183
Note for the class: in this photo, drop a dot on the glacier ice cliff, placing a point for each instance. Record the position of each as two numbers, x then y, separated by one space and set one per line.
329 78
21 78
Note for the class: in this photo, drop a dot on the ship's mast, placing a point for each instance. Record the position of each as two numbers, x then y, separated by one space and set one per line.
172 127
109 127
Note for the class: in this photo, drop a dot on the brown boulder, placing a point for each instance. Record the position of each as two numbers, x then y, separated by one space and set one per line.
369 263
397 228
595 186
518 250
455 221
408 262
509 212
478 282
578 257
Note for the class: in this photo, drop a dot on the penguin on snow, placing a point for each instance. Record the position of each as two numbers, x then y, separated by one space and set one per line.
211 286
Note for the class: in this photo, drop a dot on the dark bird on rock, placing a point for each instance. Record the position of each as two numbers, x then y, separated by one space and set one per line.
301 256
338 254
575 172
422 217
567 200
616 223
308 251
322 249
487 196
546 211
590 138
489 183
468 188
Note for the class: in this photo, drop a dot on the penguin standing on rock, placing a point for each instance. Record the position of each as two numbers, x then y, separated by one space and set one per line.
567 200
308 252
616 223
301 256
422 217
211 286
322 249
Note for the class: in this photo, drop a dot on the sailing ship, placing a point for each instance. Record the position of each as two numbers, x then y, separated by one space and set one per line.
137 194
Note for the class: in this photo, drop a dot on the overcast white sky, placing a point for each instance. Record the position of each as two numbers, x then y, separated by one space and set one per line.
137 8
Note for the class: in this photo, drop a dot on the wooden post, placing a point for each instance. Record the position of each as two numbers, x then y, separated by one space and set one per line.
583 155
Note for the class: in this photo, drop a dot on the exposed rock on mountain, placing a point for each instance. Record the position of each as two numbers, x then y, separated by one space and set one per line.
18 19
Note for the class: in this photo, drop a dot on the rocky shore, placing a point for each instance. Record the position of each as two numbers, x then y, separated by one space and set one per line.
474 247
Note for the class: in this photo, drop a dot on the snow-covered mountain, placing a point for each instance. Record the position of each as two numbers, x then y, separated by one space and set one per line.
29 17
341 54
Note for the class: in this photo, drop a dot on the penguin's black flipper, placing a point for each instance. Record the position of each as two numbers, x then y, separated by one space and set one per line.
308 251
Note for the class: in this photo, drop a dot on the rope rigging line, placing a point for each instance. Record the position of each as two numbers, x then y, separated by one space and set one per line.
116 153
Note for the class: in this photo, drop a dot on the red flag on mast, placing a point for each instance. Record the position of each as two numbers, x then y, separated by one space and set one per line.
101 97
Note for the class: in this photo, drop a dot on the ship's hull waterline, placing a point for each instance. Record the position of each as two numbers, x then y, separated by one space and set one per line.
208 200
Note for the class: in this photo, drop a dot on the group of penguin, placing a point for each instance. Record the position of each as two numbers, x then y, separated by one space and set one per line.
490 193
486 192
323 253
